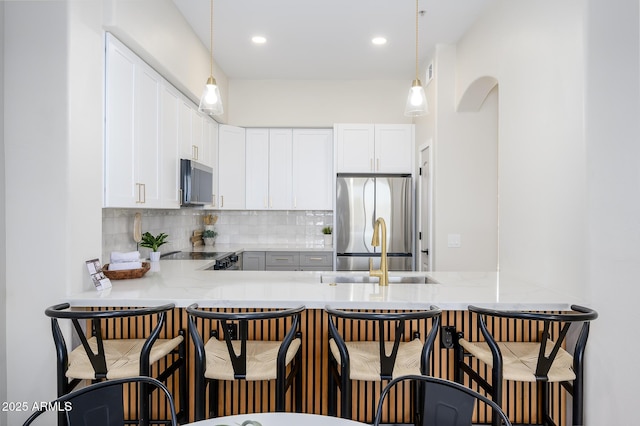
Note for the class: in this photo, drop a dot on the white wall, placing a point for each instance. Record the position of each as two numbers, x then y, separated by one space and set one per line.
36 134
305 103
465 174
3 244
535 50
568 75
613 176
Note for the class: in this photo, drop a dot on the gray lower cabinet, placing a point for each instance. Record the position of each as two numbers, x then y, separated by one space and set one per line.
287 261
316 261
253 261
282 260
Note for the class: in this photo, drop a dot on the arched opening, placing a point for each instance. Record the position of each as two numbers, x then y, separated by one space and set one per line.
475 95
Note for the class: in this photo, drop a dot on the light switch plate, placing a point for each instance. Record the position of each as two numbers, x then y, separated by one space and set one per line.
454 240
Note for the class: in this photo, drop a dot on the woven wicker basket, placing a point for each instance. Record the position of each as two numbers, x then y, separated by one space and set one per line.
126 274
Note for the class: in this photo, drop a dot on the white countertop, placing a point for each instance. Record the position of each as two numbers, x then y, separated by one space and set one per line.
186 281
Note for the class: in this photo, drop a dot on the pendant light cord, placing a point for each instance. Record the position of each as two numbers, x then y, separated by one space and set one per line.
416 39
211 34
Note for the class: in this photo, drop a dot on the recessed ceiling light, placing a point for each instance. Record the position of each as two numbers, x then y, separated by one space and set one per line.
258 40
379 40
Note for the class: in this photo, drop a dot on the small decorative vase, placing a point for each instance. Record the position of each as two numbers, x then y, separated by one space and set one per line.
328 239
209 241
154 256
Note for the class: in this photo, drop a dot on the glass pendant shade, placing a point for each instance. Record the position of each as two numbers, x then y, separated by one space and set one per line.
211 102
416 101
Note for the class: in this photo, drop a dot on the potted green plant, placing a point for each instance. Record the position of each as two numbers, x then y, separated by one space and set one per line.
209 237
153 242
328 238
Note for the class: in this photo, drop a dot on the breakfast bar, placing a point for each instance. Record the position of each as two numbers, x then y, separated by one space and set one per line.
184 282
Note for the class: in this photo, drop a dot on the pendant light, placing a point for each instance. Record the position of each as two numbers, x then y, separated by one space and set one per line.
416 101
210 101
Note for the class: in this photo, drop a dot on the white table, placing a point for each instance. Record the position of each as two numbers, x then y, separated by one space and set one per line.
278 419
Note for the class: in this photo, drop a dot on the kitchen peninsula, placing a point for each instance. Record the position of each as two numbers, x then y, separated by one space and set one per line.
187 281
184 282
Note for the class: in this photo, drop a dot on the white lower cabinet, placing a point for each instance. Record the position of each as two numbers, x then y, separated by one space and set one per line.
231 167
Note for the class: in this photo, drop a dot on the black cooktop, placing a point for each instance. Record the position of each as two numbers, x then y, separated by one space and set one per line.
194 255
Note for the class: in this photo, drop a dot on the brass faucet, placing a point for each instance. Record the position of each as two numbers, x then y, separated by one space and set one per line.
383 272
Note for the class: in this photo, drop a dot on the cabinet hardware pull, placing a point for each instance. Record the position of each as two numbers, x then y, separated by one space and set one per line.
213 200
197 152
144 193
315 258
281 258
138 193
222 201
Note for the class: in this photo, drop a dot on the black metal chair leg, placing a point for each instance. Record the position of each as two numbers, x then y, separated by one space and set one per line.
332 392
298 384
345 396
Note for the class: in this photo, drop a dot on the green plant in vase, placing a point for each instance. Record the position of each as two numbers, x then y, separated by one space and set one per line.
209 237
154 242
328 239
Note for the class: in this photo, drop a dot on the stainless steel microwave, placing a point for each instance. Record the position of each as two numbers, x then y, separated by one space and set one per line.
196 184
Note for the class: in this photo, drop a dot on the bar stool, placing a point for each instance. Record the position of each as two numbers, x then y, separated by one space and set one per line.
241 355
542 362
99 357
371 346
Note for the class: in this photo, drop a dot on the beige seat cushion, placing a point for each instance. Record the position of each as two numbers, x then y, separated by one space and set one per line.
521 358
262 358
122 357
364 358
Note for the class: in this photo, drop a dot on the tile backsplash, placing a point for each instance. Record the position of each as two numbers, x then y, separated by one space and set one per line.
233 227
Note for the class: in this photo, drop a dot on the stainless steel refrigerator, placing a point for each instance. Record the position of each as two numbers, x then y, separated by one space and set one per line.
360 200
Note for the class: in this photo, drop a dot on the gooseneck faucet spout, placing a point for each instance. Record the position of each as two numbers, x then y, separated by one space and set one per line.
383 273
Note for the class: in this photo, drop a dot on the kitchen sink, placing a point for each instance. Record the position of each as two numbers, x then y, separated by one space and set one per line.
355 279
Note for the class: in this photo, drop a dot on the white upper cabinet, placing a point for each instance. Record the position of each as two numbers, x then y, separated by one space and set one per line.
132 145
149 126
257 169
146 124
231 167
268 169
280 141
394 148
379 148
120 161
211 143
193 140
355 148
312 175
170 166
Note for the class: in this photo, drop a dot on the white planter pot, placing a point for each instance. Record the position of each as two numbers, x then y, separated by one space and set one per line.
328 239
154 256
209 241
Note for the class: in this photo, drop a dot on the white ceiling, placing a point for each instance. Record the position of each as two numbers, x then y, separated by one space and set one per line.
327 39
